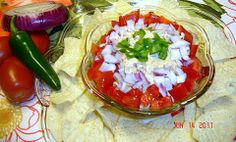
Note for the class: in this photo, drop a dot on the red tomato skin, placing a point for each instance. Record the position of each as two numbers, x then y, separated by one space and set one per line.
132 99
131 16
41 40
104 80
161 103
193 51
196 65
95 49
5 50
16 80
115 94
179 92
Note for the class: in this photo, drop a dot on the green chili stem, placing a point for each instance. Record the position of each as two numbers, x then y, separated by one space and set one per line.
12 25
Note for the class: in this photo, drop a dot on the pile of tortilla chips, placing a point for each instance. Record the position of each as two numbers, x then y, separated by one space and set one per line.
76 115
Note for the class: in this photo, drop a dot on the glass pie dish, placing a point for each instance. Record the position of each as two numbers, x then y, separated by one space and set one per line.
203 53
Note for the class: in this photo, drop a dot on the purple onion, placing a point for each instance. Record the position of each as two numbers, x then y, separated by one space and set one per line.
36 16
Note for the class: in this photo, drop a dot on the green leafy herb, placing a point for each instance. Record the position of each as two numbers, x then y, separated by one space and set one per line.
144 46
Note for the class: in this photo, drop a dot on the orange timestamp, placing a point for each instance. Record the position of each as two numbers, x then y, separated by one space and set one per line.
201 125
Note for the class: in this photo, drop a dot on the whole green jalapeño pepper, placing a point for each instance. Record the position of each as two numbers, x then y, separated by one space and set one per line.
25 50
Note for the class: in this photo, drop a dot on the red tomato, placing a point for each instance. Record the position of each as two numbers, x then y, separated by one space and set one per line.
193 50
161 103
95 49
191 73
113 23
104 80
187 35
132 98
153 91
179 92
16 80
196 65
5 50
41 40
115 94
103 38
131 16
189 84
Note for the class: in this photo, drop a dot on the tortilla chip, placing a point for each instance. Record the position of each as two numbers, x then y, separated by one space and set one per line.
221 86
109 117
131 130
223 129
54 122
72 57
161 122
221 47
92 131
77 113
71 89
180 135
121 7
108 135
190 112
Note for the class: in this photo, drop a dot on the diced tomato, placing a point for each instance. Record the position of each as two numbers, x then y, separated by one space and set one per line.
132 98
179 92
189 84
131 16
187 35
113 23
103 38
122 21
115 94
161 103
104 80
196 65
94 68
165 20
192 74
153 91
193 50
95 49
146 99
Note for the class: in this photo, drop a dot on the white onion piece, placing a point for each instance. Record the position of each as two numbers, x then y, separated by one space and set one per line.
107 67
175 38
175 54
138 85
129 78
118 56
160 71
110 59
171 75
181 78
140 24
123 86
130 25
36 16
118 77
179 44
167 84
107 50
162 90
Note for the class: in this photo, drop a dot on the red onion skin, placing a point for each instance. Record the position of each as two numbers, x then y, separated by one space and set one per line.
27 23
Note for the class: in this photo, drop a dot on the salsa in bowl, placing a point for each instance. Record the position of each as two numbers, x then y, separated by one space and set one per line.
148 62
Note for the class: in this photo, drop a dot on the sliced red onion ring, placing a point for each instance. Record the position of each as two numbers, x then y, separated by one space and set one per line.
36 16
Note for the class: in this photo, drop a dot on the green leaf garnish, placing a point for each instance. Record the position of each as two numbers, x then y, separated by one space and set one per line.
144 47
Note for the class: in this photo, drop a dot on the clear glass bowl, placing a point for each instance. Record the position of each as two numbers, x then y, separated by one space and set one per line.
203 53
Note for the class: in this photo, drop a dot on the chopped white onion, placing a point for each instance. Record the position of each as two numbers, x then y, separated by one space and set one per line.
107 50
107 67
110 59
